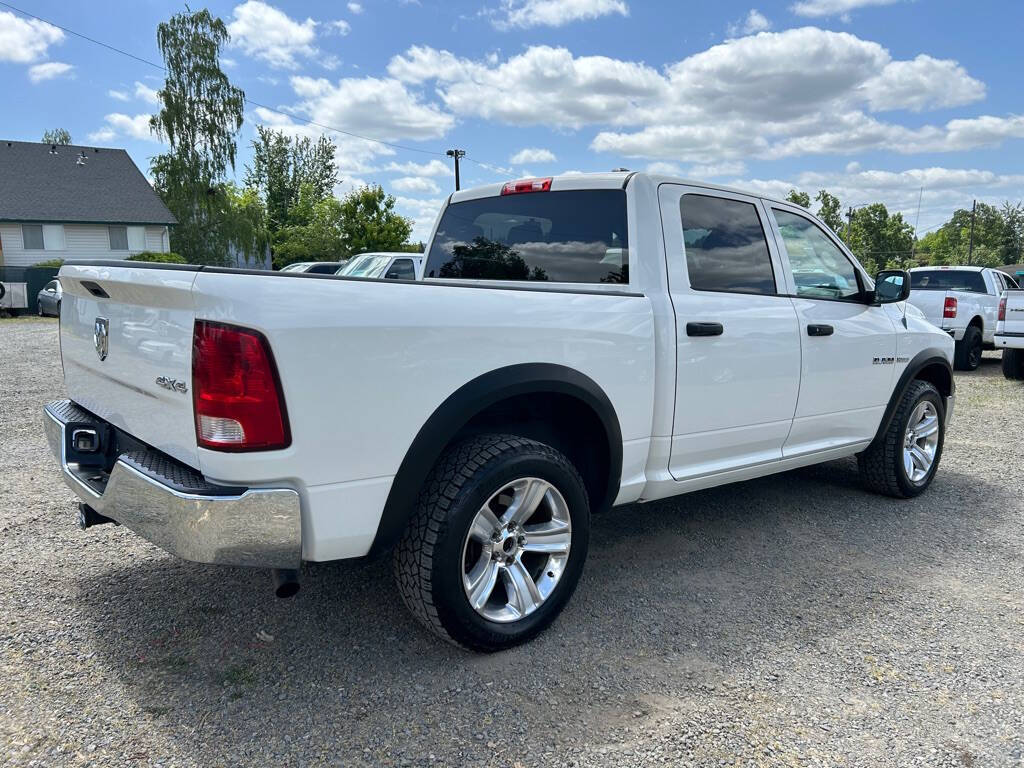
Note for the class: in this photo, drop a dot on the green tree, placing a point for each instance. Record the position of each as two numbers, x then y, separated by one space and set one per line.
369 222
880 239
281 166
200 116
1012 246
270 175
799 198
830 210
315 234
57 136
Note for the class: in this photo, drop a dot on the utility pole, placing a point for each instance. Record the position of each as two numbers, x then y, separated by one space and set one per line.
458 154
849 223
970 247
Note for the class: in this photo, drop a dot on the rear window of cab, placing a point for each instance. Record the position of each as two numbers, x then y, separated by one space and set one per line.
574 236
969 281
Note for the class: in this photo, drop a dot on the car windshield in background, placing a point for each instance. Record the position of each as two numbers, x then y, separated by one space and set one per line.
366 266
576 236
947 280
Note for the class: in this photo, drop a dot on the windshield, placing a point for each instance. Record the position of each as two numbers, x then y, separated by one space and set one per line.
947 280
367 265
576 236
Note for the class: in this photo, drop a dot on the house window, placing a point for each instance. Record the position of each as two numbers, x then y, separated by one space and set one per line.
136 238
32 234
118 238
53 237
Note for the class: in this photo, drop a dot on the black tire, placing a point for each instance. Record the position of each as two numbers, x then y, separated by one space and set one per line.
428 561
1013 364
881 465
967 353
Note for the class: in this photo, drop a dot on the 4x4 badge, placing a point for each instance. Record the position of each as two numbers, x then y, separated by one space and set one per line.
101 337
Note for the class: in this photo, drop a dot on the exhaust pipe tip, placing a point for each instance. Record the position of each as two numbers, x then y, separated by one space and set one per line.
286 582
88 517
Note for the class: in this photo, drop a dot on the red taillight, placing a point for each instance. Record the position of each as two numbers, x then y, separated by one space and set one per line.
949 308
236 391
526 185
1002 309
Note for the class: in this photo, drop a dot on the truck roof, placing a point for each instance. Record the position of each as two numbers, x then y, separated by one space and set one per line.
607 180
950 267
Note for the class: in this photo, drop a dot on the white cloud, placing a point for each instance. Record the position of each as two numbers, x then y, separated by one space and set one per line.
267 33
144 93
120 125
818 8
416 184
533 155
355 8
378 107
922 83
48 70
340 26
715 170
555 13
541 86
423 214
431 168
754 23
25 40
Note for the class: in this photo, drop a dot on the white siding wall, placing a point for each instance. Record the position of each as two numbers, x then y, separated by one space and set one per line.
81 241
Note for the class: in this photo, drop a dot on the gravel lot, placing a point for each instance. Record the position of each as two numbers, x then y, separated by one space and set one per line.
793 620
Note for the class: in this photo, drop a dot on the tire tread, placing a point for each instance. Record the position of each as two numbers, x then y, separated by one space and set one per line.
413 558
878 463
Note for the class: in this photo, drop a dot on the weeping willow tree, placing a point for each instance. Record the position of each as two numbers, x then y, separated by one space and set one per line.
200 116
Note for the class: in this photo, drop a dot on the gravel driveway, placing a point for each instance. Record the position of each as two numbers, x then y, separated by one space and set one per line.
793 620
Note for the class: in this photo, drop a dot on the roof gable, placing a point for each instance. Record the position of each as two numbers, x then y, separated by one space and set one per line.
72 183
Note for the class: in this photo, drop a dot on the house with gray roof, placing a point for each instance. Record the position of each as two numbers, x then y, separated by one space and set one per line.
60 201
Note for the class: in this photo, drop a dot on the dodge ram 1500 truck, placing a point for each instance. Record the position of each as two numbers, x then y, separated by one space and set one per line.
961 301
1010 332
577 342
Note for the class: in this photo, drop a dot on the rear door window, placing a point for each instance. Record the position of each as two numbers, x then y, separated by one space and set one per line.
725 246
574 236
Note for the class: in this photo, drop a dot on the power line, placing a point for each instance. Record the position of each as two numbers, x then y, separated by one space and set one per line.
249 101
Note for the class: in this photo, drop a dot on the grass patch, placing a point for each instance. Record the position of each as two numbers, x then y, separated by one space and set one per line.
237 674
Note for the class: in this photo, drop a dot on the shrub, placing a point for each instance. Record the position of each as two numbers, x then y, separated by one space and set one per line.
51 263
161 258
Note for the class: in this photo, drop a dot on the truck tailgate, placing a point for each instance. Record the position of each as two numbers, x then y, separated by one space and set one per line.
1014 323
140 377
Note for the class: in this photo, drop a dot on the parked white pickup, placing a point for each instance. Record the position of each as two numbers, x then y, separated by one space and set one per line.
962 301
1010 333
575 343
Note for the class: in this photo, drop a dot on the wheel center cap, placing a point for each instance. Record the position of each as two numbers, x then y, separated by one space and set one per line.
509 545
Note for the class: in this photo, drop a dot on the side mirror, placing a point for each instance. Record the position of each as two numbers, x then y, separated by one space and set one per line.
891 285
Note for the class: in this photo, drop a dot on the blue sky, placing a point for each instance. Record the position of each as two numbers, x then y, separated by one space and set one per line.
872 99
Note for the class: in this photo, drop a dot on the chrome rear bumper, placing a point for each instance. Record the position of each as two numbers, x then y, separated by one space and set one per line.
174 507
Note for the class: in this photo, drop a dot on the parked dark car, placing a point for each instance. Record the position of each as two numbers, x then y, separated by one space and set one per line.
48 299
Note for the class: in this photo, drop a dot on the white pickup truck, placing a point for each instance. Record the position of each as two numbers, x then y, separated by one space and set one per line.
576 343
1010 332
963 302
